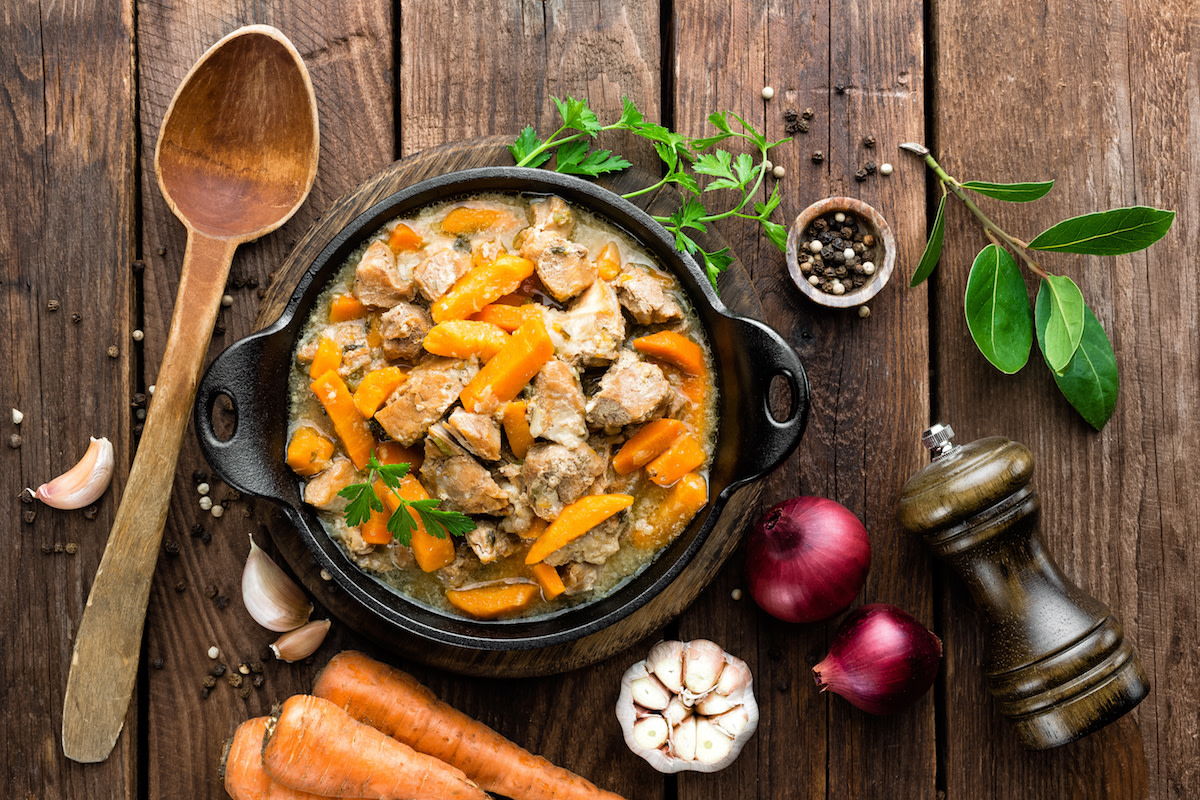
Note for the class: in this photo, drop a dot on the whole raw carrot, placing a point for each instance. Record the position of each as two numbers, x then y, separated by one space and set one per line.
242 768
314 746
395 703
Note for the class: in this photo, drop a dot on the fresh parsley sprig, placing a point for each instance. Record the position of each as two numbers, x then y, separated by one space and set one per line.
364 500
683 159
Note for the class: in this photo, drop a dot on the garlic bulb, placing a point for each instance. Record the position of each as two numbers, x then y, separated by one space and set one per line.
302 642
271 597
688 706
83 483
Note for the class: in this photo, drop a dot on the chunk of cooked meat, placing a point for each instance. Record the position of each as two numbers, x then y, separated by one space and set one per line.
379 280
594 547
322 489
556 475
632 390
402 329
519 515
478 433
456 573
579 578
532 242
565 270
351 339
552 214
439 271
453 475
491 544
590 332
431 388
557 405
647 295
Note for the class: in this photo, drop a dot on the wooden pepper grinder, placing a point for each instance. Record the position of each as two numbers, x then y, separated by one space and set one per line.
1058 662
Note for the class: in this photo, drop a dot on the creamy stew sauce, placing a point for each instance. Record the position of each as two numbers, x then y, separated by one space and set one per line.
512 464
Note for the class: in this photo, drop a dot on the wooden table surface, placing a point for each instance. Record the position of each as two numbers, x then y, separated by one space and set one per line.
1101 96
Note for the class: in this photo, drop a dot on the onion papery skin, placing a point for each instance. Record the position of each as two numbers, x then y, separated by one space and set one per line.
882 660
807 559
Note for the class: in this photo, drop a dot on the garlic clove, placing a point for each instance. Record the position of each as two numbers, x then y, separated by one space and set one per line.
302 642
83 483
702 664
733 722
712 744
715 703
651 732
728 691
677 711
649 692
271 597
683 740
666 661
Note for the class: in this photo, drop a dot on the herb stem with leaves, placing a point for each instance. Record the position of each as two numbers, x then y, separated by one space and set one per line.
364 501
683 158
1073 343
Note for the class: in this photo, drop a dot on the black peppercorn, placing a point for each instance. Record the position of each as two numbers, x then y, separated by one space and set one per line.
868 141
818 157
860 176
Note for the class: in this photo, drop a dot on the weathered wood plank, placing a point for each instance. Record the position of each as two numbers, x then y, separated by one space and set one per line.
66 249
869 377
1114 512
196 599
470 68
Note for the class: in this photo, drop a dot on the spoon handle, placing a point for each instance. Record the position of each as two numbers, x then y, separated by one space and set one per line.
104 663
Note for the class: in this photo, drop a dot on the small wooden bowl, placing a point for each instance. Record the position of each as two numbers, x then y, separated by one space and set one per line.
885 242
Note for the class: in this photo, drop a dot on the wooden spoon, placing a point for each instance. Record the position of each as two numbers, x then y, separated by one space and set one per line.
237 155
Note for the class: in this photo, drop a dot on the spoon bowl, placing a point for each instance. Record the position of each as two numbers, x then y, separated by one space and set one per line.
236 156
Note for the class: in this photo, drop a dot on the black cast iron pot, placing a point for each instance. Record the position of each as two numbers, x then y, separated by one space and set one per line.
253 373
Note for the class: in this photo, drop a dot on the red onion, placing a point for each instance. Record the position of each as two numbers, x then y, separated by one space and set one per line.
881 660
806 559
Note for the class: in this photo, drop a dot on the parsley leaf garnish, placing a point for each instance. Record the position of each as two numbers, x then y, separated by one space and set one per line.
683 159
364 500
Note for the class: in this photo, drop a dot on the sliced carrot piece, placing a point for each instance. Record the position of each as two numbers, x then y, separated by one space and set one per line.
550 581
516 427
480 286
495 600
608 263
575 520
346 307
328 356
396 453
674 348
463 338
535 529
375 387
374 530
350 426
684 455
673 513
503 377
465 220
645 445
308 452
404 238
506 316
431 552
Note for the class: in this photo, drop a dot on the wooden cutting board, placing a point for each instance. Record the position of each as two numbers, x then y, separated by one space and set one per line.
737 293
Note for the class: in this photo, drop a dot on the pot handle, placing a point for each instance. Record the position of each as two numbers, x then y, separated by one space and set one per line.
247 460
768 441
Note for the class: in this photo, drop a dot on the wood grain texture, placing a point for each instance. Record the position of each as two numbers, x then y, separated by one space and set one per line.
66 228
196 600
1113 512
869 377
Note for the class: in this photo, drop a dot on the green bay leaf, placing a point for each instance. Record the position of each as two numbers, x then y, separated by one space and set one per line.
997 310
1010 192
1058 316
933 248
1107 233
1090 381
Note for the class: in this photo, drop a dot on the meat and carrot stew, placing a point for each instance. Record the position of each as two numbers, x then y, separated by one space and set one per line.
502 406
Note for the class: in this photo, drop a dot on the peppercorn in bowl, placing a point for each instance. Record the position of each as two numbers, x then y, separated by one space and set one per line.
501 409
